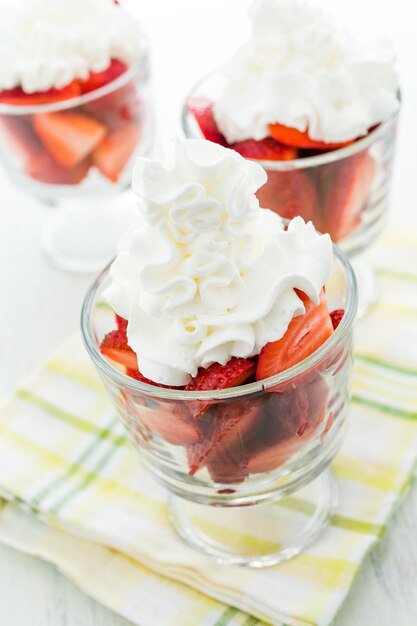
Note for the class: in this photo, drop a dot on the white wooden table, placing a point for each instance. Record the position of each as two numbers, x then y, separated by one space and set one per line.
40 306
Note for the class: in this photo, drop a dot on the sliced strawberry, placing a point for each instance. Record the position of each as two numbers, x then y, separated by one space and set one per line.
171 421
345 187
336 317
115 347
290 194
46 170
121 323
69 137
226 427
267 149
135 373
96 80
37 163
17 96
114 152
236 372
305 334
202 109
300 139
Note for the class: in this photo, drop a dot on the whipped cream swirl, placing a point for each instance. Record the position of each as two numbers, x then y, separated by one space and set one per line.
205 274
301 70
48 43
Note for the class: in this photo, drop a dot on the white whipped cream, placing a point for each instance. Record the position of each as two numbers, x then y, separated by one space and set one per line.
48 43
206 274
301 70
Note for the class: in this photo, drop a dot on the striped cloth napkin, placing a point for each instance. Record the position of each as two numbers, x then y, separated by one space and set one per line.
75 494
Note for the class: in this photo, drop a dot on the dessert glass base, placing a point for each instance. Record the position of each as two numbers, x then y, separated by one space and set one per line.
260 535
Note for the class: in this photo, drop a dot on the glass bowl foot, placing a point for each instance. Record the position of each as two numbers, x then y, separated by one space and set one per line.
368 290
261 535
82 236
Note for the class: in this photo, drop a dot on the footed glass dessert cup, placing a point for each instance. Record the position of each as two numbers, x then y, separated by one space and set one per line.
344 191
74 149
246 467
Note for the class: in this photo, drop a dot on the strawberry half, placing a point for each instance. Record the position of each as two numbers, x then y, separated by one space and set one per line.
17 96
114 152
225 429
171 421
69 137
336 317
300 139
115 347
267 149
96 80
290 194
305 334
202 109
236 372
345 187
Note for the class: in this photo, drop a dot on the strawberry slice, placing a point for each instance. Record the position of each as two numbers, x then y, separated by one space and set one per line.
290 194
69 137
115 347
300 139
226 427
114 152
96 80
345 188
236 372
336 317
36 162
267 149
171 421
17 96
305 334
202 109
121 323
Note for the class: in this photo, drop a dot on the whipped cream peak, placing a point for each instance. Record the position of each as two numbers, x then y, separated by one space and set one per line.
46 44
205 274
302 70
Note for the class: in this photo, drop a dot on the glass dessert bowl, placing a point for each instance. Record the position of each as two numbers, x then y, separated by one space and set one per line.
236 441
318 111
75 112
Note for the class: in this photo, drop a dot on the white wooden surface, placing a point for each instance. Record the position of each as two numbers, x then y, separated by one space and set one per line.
39 305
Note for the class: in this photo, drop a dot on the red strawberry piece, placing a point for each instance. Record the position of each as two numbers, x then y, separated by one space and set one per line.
305 334
345 187
236 372
283 431
69 137
300 139
135 373
290 194
121 323
96 80
266 149
37 163
169 420
115 347
336 317
19 97
226 427
114 152
202 109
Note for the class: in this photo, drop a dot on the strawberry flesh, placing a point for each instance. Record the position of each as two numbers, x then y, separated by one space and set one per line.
336 317
267 149
113 153
300 139
290 194
236 372
96 80
202 109
115 347
305 334
19 97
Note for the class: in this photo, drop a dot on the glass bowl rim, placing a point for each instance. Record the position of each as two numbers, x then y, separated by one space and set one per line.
105 366
77 101
304 162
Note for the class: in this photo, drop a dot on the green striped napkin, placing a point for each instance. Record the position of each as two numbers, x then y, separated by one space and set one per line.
76 495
